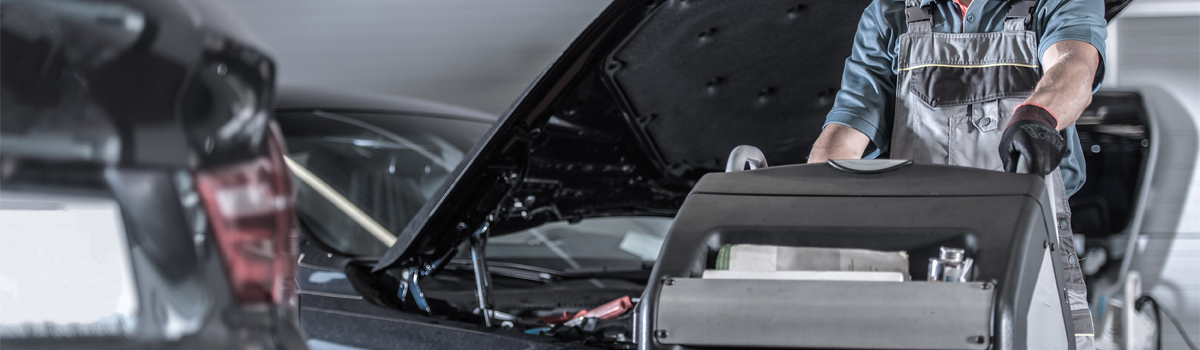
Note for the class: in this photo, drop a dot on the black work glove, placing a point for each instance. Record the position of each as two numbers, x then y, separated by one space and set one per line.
1031 134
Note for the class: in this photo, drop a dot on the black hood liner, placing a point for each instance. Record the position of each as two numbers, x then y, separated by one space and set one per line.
703 77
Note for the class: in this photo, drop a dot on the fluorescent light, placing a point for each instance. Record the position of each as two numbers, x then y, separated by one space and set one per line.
343 204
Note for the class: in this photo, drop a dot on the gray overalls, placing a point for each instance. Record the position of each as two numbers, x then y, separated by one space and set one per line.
955 93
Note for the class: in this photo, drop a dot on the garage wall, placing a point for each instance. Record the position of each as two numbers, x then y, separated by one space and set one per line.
1157 43
479 54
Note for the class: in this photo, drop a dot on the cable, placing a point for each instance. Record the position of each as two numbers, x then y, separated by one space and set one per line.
1179 327
1157 318
1171 317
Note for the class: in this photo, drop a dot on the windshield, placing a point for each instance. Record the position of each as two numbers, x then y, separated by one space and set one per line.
360 177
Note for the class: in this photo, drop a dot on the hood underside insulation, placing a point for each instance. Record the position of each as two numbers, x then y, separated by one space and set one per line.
705 76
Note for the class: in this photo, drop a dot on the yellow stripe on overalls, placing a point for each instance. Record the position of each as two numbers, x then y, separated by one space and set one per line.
970 66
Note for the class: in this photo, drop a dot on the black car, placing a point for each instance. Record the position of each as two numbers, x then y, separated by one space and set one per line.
146 203
365 164
548 231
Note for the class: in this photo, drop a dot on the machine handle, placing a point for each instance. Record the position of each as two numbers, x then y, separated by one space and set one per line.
1023 166
743 156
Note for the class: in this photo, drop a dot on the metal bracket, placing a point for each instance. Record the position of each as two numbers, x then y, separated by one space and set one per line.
410 276
483 283
916 14
409 286
1022 9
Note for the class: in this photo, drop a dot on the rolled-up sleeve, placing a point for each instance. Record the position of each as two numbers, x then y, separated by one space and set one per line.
1081 20
868 81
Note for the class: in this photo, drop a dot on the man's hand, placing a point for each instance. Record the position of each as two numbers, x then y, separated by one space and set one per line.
1031 134
1057 101
838 141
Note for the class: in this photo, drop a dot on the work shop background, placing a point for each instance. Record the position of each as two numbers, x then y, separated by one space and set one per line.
484 53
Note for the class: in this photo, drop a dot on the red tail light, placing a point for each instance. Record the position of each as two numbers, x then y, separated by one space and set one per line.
250 207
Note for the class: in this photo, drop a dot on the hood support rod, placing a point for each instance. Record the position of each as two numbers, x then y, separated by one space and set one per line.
483 283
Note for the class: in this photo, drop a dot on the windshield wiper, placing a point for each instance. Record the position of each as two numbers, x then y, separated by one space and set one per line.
543 274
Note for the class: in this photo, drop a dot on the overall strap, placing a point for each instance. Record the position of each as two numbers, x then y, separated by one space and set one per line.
918 18
1019 17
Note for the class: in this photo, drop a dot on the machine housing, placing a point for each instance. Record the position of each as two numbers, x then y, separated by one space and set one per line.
1013 299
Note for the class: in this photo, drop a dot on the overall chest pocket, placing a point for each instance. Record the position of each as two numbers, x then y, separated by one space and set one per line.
945 69
940 86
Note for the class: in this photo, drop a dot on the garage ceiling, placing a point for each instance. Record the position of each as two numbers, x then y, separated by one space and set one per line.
479 54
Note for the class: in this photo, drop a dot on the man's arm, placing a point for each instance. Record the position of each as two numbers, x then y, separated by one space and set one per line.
838 141
1066 88
857 121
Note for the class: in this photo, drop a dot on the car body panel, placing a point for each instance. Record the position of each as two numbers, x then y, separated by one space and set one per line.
111 121
297 98
127 100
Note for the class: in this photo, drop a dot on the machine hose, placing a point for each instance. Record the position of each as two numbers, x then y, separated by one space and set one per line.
1158 312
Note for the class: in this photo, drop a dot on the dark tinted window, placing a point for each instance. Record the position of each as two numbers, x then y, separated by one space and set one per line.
360 177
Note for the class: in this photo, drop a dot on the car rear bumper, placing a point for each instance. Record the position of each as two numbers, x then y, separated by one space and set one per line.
182 291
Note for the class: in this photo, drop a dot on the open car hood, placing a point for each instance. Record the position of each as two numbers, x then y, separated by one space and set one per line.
650 97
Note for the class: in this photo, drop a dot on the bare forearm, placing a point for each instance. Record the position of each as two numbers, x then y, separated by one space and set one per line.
1066 88
838 141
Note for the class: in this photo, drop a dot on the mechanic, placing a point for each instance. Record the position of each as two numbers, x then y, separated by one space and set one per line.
953 81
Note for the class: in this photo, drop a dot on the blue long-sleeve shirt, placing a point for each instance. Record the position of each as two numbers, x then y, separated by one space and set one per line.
869 80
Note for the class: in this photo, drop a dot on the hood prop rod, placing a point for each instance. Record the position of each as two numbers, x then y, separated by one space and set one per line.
483 283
